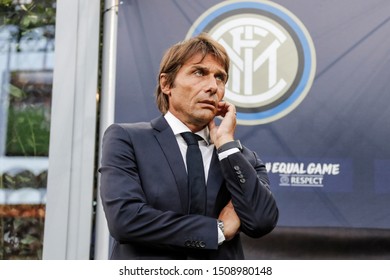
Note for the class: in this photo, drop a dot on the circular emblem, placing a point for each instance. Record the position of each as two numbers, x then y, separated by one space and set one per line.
284 180
272 57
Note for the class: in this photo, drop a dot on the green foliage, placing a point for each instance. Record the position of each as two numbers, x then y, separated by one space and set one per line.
23 179
27 16
28 132
21 227
22 238
16 93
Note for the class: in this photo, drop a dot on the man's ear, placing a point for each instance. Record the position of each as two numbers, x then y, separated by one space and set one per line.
165 88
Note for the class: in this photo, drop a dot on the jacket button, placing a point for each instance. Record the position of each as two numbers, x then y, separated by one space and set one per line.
236 167
202 244
242 181
187 243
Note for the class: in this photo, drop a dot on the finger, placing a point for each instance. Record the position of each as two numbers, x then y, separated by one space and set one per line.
230 108
222 108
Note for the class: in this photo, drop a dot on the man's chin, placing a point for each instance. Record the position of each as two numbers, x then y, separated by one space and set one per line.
206 117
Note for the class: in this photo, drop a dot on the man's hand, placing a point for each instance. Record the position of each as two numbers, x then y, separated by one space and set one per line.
225 131
230 221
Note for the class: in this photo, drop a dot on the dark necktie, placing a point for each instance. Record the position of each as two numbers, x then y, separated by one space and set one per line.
195 170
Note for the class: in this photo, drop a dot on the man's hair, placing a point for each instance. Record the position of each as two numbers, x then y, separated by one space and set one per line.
176 56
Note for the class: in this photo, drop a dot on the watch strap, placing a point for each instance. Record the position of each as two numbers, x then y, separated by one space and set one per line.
221 226
230 145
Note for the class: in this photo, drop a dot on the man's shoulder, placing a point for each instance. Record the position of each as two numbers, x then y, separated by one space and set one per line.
133 126
129 128
139 127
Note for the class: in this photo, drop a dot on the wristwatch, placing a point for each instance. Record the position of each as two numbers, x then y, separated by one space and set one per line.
230 145
221 226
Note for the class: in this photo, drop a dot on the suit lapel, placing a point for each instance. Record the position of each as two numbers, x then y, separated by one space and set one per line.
170 148
216 198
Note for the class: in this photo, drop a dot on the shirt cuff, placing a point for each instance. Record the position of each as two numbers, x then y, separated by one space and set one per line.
227 153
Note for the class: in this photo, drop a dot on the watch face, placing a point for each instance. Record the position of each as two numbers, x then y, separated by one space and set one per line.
221 226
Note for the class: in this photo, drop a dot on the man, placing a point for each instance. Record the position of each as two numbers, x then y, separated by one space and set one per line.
147 196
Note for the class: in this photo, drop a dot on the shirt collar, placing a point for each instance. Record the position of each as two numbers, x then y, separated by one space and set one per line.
178 127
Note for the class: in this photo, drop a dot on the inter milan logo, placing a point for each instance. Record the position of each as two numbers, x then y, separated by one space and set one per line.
272 55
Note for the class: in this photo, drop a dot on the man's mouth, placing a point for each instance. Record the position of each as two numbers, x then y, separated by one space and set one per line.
210 103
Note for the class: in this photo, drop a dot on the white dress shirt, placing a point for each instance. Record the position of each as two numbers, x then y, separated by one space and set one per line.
205 146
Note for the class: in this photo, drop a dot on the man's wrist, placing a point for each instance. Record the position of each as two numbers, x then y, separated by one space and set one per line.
221 232
228 149
230 145
221 226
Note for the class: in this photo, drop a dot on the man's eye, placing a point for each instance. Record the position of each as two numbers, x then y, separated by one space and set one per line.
220 78
198 73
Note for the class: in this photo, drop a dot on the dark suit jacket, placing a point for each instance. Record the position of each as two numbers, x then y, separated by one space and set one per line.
145 196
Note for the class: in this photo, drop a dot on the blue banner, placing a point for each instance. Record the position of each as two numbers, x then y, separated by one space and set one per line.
310 80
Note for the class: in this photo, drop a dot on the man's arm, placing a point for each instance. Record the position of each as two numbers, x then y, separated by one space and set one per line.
129 215
231 222
248 183
247 179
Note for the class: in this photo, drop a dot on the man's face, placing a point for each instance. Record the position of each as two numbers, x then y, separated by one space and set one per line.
196 91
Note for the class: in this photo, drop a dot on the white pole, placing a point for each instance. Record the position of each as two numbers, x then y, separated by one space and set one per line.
107 109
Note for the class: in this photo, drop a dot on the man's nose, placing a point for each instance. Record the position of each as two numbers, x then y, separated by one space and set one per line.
212 85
